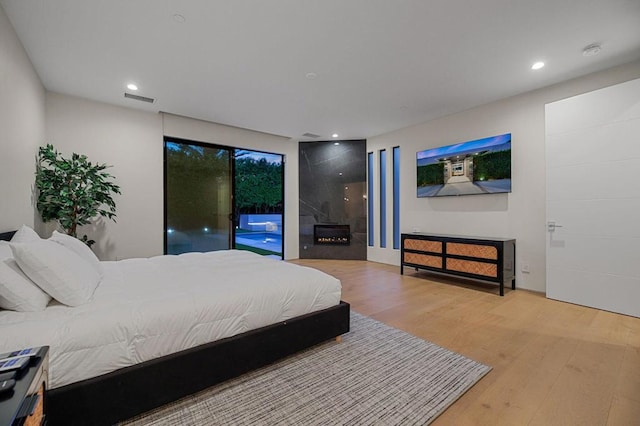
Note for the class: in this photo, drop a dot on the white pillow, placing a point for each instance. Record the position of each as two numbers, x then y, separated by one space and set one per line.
5 250
17 292
25 235
61 273
79 248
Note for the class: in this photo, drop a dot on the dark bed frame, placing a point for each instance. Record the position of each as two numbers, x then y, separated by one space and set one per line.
125 393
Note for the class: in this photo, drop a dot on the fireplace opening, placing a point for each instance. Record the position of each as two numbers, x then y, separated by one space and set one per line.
332 235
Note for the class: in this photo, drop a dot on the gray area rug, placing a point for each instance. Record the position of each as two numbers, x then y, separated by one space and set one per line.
377 375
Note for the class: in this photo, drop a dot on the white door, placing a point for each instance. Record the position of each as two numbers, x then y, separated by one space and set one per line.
593 199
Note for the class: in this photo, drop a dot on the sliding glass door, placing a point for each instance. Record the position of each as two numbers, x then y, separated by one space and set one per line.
198 188
217 198
259 202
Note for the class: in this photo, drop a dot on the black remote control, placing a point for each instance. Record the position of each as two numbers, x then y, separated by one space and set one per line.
7 375
7 385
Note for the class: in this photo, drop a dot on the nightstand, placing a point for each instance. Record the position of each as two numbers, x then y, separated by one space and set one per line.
26 403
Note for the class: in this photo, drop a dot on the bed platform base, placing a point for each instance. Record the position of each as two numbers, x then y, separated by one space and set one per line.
133 390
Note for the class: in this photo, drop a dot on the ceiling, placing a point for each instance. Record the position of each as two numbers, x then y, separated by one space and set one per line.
379 65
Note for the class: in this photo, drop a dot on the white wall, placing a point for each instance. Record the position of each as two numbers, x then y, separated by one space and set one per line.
22 123
131 142
520 214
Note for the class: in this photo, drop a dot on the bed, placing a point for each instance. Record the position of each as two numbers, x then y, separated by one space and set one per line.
162 328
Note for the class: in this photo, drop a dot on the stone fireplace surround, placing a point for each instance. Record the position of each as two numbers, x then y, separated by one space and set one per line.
332 180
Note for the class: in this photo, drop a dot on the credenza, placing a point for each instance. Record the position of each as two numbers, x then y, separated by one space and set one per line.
486 259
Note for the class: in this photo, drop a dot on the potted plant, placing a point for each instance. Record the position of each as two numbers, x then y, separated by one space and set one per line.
73 191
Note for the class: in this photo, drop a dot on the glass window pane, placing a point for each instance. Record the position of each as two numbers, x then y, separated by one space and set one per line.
197 197
259 202
370 197
383 198
396 197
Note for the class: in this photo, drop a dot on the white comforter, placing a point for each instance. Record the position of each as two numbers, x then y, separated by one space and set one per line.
147 308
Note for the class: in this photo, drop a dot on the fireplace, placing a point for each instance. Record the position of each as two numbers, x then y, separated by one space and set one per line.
339 235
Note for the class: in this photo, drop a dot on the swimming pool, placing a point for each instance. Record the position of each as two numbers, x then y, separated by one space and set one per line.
263 240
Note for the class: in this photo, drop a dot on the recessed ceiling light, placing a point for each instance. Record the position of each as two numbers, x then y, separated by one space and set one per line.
179 18
335 135
132 86
311 76
592 50
537 65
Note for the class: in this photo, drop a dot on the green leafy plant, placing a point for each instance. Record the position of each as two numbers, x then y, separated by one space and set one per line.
73 191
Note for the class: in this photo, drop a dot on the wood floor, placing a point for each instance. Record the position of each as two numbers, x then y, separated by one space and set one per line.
553 363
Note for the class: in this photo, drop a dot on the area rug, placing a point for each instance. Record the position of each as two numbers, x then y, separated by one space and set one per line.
377 375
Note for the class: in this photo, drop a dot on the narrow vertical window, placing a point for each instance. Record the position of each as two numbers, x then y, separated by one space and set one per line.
383 198
396 197
370 197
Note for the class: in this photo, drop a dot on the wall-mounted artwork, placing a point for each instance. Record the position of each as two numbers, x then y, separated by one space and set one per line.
481 166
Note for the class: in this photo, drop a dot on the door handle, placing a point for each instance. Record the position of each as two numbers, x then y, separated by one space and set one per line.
552 225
